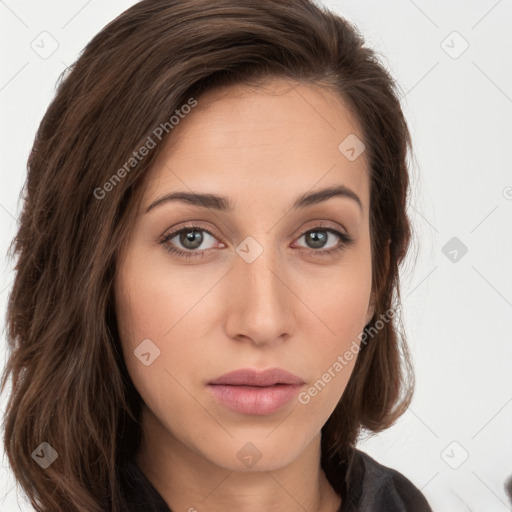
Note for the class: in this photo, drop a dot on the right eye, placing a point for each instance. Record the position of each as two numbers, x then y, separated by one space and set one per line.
190 238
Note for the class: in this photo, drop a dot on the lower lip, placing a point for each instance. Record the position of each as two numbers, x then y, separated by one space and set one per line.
254 400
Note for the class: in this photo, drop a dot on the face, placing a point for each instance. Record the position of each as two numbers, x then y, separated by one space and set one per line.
253 282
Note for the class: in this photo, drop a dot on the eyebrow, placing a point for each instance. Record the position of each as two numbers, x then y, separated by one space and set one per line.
225 204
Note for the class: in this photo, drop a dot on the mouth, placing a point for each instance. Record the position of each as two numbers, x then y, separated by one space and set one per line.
251 392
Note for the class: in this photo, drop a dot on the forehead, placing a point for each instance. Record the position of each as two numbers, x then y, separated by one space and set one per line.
271 142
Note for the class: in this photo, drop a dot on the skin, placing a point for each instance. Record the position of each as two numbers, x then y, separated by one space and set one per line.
261 148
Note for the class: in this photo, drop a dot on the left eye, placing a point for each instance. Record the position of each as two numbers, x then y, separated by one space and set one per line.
191 238
318 237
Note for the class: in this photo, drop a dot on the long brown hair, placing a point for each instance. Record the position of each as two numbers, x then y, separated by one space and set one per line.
70 386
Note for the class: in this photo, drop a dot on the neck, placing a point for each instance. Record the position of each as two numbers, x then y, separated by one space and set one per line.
189 482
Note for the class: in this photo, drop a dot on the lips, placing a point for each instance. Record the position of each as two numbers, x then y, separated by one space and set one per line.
254 392
248 377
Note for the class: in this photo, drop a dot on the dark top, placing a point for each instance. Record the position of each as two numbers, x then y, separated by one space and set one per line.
364 486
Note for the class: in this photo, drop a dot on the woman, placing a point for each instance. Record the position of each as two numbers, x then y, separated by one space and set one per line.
204 310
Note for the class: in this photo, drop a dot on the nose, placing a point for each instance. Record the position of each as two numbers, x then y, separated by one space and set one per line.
261 301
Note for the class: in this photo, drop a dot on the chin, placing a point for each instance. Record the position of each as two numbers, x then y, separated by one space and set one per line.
254 453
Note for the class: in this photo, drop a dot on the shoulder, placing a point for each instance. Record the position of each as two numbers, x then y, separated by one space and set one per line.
371 486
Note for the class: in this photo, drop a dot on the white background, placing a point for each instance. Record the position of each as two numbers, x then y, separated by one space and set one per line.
457 313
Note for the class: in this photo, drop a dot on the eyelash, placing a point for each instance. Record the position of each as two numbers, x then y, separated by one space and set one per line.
345 241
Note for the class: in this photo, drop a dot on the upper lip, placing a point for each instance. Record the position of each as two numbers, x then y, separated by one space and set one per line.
249 377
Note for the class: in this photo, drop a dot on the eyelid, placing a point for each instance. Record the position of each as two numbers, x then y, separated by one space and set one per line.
316 223
188 226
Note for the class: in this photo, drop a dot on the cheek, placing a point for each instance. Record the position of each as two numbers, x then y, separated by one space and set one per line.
340 306
152 300
341 300
163 305
151 310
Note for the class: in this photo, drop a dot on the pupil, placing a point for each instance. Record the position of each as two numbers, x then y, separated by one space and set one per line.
318 238
191 239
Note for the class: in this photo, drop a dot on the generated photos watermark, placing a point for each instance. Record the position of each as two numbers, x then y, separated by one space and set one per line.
151 142
342 361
